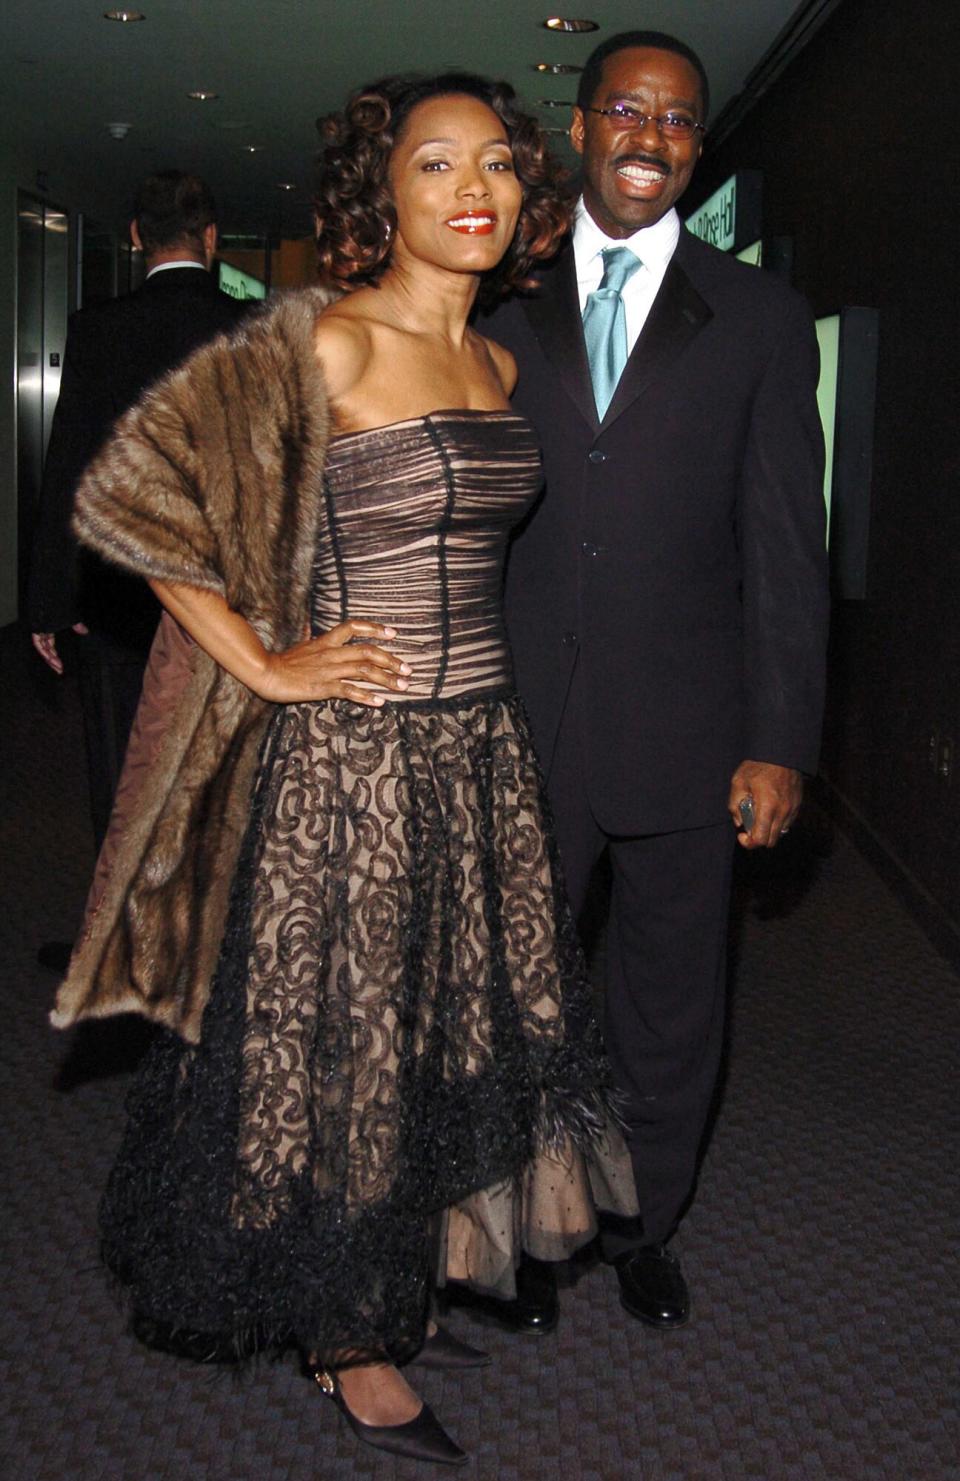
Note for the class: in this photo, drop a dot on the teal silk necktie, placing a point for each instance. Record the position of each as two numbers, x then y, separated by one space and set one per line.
605 325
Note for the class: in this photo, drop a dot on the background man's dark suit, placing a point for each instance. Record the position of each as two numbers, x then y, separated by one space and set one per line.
114 351
666 604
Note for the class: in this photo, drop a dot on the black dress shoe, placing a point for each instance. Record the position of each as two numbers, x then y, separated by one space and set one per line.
421 1438
443 1350
652 1286
536 1308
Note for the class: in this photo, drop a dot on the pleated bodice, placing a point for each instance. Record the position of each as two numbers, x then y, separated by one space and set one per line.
417 518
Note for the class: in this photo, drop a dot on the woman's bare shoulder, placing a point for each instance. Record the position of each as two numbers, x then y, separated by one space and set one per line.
342 343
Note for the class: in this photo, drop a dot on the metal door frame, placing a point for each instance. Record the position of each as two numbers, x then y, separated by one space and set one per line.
28 500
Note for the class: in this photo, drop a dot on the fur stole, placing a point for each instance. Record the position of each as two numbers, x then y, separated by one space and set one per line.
214 480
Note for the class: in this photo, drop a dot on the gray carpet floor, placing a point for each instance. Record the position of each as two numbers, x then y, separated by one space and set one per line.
821 1249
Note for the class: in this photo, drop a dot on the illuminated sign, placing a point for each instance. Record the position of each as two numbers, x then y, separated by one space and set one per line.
714 221
731 217
240 285
845 397
828 338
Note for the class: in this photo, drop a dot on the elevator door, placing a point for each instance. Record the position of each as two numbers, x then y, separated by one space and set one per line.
42 287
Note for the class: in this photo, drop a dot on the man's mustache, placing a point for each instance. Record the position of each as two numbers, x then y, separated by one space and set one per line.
644 159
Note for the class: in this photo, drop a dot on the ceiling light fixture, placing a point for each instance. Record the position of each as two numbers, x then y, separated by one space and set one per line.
124 15
556 69
200 95
285 185
564 23
555 103
252 148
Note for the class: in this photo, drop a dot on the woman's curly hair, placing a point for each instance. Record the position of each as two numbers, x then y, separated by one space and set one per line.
355 214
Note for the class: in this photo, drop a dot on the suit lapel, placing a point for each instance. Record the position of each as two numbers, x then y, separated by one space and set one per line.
554 315
677 316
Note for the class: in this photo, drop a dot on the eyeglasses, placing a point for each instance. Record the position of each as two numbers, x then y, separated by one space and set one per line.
670 125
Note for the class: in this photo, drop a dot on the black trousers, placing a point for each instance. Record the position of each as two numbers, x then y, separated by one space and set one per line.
666 980
110 679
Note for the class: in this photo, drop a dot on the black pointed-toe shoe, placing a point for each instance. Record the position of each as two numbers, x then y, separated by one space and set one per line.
443 1350
536 1308
421 1438
652 1287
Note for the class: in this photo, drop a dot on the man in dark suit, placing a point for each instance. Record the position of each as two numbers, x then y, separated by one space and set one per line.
667 604
114 351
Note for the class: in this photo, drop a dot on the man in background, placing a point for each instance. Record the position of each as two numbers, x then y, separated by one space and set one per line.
114 351
666 602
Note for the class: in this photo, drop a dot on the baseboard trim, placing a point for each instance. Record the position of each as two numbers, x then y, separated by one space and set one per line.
942 931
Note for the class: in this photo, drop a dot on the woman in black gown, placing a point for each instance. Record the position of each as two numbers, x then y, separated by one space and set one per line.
398 1079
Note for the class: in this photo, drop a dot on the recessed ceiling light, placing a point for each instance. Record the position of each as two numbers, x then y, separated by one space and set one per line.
200 95
252 148
564 23
286 185
557 69
124 15
555 103
565 133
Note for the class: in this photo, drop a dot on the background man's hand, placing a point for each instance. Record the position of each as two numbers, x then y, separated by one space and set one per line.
777 792
46 646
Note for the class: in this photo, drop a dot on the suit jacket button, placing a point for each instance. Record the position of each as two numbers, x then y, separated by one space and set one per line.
596 456
568 640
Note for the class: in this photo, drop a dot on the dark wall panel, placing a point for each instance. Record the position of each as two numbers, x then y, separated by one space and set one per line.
858 147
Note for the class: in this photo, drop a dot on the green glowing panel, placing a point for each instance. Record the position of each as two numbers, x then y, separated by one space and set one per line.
715 222
828 337
240 285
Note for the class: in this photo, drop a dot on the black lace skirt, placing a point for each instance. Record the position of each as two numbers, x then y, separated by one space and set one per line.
399 1076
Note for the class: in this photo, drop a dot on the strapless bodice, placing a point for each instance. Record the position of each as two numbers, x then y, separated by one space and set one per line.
417 516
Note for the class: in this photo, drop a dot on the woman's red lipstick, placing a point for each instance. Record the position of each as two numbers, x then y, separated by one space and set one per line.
473 223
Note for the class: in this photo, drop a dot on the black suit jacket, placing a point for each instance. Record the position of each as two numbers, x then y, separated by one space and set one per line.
678 552
114 351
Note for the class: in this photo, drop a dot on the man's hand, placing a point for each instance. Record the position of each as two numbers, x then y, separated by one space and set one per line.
777 792
46 646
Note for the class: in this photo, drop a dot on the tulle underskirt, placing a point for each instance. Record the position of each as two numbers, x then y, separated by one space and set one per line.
399 1078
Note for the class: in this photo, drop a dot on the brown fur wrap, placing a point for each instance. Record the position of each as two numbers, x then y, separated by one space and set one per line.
215 479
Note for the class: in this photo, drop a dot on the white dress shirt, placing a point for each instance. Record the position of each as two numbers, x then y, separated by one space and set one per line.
165 267
654 245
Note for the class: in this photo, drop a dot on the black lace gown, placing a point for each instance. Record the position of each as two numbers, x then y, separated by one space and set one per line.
399 1078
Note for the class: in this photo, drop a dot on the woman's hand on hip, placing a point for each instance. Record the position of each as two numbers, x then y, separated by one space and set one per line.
333 666
336 666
